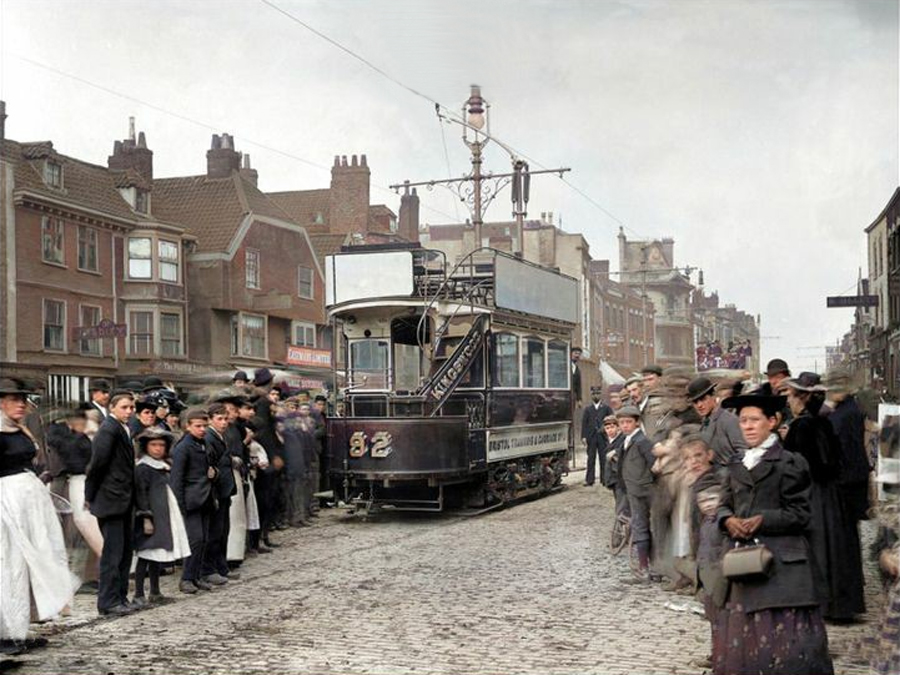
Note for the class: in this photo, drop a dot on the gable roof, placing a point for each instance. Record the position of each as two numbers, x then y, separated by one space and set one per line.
327 244
213 208
84 185
303 207
884 211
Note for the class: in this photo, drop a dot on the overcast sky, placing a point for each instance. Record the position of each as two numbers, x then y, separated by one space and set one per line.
761 135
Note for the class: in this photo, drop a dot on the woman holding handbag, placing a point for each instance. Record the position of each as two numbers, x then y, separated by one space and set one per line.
771 622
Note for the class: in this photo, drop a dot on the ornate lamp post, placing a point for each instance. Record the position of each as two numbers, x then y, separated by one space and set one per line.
478 189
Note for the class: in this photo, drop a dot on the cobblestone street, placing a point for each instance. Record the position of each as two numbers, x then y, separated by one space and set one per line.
530 589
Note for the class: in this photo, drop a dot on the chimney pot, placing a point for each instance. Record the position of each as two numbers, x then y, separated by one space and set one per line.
216 142
362 160
246 159
131 128
142 140
337 160
343 160
354 161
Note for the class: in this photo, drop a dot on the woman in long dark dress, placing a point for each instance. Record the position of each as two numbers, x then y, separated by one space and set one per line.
833 534
770 624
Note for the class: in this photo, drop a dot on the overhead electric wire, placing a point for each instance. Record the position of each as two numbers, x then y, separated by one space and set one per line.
448 111
191 120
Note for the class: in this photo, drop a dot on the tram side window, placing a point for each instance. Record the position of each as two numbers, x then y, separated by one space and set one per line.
369 359
533 362
506 360
557 365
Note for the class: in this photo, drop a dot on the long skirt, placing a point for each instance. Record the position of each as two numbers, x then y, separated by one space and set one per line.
33 561
84 520
784 641
252 508
237 514
181 547
836 555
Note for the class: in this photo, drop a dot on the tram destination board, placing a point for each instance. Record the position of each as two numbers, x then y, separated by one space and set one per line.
851 301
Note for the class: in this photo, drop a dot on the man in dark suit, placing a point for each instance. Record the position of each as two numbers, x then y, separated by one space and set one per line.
592 435
720 428
99 393
575 355
215 562
637 458
192 480
109 493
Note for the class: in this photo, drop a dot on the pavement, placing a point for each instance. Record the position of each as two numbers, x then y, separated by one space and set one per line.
530 589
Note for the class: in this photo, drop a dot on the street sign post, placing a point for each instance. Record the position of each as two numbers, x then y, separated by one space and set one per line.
851 301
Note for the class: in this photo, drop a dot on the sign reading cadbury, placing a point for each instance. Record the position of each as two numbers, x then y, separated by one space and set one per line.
307 356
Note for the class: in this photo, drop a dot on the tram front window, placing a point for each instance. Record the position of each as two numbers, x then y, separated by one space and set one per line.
369 360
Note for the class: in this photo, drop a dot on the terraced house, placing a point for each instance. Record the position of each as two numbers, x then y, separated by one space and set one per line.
93 278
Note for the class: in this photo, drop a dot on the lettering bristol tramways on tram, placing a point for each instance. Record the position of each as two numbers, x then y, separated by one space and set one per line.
455 380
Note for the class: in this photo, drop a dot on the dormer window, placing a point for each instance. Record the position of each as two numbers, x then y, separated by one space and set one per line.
318 218
53 173
141 201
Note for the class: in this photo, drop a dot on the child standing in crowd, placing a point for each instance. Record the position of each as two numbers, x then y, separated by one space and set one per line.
215 563
637 458
192 478
160 534
109 495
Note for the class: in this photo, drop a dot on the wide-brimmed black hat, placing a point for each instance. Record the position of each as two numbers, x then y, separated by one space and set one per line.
262 377
153 383
770 405
132 386
805 381
99 385
13 385
155 434
652 369
699 387
145 404
777 366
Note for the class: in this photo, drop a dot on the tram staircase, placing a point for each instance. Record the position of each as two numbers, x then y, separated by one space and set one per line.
470 283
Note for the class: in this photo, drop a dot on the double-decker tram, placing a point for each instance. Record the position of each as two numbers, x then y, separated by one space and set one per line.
454 379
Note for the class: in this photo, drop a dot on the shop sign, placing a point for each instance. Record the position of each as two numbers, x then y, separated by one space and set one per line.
307 356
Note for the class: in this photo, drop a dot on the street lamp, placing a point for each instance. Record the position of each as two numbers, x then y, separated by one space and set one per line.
475 112
478 189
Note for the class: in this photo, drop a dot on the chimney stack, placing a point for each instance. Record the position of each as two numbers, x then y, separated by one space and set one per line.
221 158
408 225
247 173
129 154
2 121
349 195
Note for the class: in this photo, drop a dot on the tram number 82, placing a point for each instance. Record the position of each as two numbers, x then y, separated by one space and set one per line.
380 445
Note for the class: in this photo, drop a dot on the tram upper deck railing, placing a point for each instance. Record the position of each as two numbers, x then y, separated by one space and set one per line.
484 277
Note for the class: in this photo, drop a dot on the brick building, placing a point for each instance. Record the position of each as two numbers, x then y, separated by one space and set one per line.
624 323
257 287
883 242
83 249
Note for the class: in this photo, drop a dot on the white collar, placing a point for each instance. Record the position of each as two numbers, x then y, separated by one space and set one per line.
597 404
753 456
153 463
631 436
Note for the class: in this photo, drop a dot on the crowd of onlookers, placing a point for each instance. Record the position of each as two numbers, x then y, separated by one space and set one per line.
145 483
713 355
750 499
